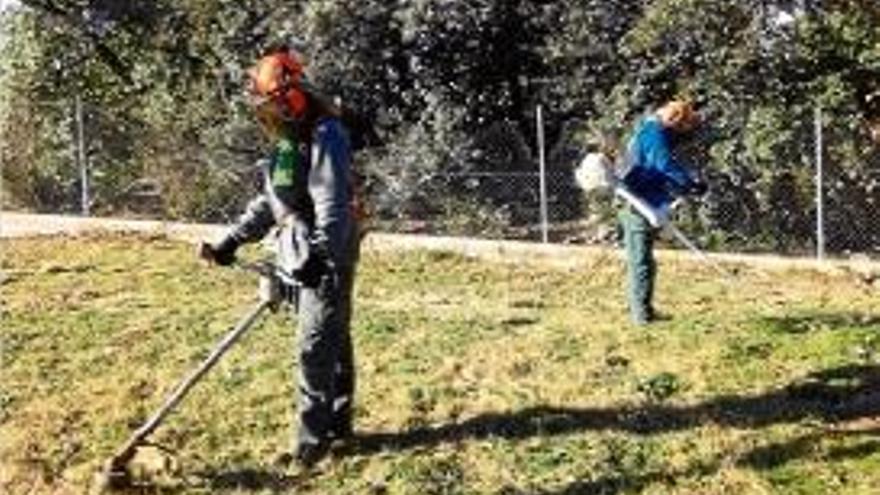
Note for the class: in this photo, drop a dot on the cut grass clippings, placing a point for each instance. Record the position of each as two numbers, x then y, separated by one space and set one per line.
473 377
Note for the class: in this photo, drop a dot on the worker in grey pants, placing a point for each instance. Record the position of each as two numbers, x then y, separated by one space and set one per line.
326 355
308 197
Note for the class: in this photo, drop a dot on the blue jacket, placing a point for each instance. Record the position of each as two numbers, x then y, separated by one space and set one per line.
650 170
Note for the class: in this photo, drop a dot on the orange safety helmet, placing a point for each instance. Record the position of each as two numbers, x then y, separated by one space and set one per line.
277 78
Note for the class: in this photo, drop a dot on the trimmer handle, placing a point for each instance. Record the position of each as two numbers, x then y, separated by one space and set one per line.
276 284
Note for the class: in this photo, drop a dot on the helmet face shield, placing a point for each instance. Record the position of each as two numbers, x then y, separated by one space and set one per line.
276 88
270 116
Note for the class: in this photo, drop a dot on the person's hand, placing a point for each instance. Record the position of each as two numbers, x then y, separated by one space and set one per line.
222 254
315 267
311 272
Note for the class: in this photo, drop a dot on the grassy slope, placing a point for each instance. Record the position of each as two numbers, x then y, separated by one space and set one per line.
474 377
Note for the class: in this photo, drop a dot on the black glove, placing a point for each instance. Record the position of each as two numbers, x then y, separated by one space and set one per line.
314 268
699 188
222 253
310 273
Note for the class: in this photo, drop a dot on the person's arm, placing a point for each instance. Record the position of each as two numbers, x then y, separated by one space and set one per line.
329 188
251 227
255 223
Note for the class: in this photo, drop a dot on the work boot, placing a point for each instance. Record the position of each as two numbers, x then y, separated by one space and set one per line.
658 316
308 455
341 430
641 320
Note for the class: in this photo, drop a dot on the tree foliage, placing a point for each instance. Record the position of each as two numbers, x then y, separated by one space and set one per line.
448 88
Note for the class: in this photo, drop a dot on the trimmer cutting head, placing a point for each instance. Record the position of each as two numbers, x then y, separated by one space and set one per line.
145 465
114 475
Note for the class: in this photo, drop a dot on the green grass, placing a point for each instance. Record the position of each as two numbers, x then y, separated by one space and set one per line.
474 377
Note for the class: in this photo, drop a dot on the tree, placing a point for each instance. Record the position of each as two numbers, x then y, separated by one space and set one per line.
450 89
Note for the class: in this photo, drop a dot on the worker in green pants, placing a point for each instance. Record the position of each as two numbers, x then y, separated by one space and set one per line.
638 239
653 174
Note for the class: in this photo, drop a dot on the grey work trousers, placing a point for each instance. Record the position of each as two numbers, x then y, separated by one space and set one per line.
326 355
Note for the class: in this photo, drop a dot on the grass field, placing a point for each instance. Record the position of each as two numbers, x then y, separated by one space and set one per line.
474 377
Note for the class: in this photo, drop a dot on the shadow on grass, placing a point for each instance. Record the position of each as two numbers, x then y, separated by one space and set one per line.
777 454
763 458
249 479
620 483
519 321
797 324
837 394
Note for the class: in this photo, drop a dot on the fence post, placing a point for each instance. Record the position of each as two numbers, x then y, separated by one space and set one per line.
820 197
81 162
542 166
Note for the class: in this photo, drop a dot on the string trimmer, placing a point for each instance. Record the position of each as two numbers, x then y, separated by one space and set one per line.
115 474
595 174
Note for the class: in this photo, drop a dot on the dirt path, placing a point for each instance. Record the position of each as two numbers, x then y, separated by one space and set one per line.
27 224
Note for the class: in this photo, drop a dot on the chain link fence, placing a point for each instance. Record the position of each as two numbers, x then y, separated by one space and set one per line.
496 205
763 197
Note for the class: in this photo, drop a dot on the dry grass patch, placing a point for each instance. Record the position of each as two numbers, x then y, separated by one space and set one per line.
474 376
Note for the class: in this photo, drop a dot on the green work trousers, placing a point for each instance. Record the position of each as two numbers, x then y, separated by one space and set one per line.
638 239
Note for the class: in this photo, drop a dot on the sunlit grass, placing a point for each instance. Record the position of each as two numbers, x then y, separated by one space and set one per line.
474 376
